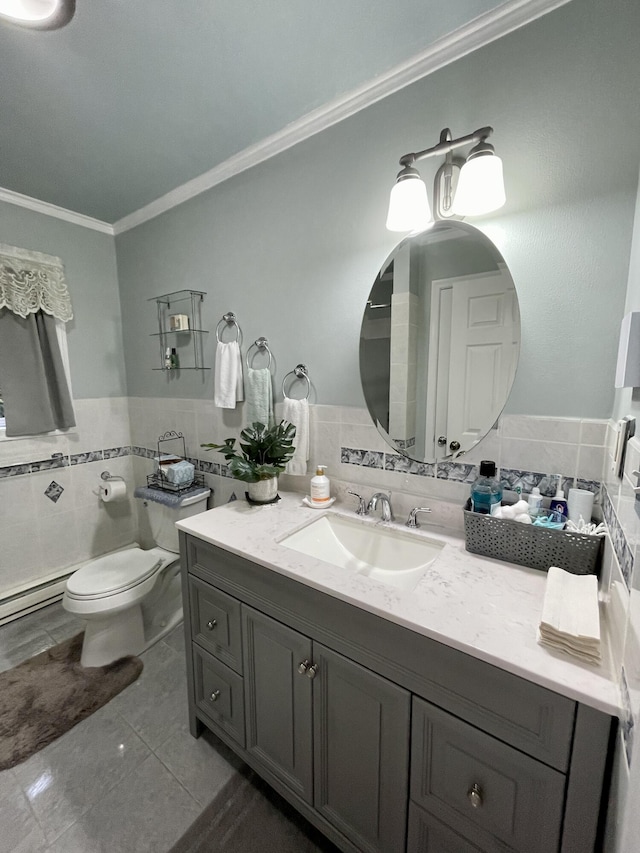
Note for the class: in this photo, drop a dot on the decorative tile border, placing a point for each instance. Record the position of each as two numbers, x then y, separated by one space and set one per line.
618 539
626 720
366 458
404 465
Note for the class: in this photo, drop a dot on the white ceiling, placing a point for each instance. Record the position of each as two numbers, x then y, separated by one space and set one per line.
134 98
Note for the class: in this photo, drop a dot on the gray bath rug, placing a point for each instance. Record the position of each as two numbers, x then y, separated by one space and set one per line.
248 816
48 694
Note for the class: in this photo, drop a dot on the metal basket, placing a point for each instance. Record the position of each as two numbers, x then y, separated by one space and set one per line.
530 545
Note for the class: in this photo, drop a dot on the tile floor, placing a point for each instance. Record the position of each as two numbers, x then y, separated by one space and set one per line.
129 778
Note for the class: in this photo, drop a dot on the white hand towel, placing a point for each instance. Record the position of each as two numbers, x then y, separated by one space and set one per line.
570 615
228 375
259 396
297 413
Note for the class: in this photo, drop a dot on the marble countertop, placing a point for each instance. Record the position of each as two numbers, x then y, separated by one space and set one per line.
483 607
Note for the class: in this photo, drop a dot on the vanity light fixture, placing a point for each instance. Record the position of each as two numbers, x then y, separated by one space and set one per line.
461 188
38 14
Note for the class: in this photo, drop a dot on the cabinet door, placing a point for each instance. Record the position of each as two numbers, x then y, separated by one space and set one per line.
485 789
278 700
361 752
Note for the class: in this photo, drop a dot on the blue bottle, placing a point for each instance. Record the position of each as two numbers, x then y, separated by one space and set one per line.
486 492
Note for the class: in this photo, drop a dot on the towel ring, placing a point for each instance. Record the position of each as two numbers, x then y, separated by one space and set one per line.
261 344
230 320
299 372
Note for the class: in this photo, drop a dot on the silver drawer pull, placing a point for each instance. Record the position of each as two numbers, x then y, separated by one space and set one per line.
475 796
211 624
311 670
214 696
303 666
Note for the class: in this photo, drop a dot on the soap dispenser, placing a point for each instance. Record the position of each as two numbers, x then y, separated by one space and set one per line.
320 491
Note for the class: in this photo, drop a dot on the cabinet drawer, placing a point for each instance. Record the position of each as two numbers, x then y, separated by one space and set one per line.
425 834
215 623
219 693
483 787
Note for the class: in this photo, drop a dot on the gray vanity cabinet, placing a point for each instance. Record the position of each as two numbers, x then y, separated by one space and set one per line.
386 740
332 731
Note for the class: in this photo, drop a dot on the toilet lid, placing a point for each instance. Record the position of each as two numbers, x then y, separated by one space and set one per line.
113 573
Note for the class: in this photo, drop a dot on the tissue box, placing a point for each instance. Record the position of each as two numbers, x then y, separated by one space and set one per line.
180 473
178 322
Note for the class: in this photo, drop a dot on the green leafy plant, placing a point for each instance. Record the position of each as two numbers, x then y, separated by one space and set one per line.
263 453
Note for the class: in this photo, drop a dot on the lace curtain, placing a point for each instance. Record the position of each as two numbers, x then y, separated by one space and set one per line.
34 304
31 282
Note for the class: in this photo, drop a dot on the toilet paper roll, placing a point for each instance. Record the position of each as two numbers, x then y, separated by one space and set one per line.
113 490
580 503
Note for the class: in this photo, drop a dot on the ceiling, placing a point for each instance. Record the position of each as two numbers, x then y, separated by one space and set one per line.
136 97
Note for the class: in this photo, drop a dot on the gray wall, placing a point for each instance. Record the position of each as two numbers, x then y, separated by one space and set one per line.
95 333
294 244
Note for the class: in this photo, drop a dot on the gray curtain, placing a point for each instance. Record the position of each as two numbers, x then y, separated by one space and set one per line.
34 387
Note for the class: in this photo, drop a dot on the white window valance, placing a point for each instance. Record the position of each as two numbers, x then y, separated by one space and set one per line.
31 282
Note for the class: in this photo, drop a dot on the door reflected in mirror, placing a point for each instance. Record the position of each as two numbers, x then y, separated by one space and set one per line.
439 342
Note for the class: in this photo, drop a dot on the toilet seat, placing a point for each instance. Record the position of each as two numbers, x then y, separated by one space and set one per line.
113 574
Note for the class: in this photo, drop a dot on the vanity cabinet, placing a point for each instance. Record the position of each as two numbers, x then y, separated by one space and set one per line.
384 739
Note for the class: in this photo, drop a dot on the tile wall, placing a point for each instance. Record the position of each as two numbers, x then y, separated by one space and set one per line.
50 518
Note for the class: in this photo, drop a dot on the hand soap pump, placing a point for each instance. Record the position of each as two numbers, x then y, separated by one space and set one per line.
320 487
486 492
558 503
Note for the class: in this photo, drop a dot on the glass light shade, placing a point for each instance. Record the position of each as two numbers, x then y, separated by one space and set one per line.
480 187
409 206
29 10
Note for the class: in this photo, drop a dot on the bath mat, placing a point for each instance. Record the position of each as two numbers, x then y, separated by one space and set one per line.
248 816
45 696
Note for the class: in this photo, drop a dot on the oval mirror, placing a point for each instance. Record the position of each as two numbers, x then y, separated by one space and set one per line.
439 342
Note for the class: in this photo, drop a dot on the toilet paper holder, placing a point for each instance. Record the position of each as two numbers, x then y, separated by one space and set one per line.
107 476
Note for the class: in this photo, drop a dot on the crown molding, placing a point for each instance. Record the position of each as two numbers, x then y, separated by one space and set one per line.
477 33
47 209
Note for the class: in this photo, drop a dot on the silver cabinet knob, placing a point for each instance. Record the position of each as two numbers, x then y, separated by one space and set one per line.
454 445
311 670
442 440
214 696
211 624
303 666
475 796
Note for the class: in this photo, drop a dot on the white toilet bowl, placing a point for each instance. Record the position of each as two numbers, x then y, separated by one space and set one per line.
132 598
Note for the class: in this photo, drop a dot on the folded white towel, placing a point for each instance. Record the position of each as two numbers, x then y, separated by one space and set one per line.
259 396
297 413
570 615
228 383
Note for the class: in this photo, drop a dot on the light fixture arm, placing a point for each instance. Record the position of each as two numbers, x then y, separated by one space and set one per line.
446 145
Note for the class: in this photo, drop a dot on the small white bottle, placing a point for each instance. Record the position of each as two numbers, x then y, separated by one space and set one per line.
535 502
320 487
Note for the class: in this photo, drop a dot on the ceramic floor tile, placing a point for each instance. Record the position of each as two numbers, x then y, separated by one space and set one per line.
156 704
146 813
175 640
70 775
11 654
19 828
203 765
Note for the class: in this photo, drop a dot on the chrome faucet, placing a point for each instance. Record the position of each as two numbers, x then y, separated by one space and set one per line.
362 507
385 502
412 520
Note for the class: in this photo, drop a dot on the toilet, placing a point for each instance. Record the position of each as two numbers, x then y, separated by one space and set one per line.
132 598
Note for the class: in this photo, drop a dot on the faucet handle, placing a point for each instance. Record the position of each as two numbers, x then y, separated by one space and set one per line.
362 507
412 520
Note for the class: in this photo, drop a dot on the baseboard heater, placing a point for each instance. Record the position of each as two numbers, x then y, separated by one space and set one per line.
18 602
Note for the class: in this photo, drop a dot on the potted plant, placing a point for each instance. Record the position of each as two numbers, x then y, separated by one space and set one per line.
262 455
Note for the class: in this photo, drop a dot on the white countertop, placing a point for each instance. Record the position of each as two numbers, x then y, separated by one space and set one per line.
486 608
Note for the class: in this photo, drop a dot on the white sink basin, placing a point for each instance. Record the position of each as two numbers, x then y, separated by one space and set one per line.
384 554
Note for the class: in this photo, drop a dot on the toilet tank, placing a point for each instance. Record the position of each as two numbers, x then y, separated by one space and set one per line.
163 517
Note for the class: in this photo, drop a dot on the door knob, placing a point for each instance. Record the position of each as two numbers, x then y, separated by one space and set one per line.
442 440
475 795
454 445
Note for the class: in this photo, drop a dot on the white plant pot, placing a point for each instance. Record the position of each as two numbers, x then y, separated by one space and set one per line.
263 491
